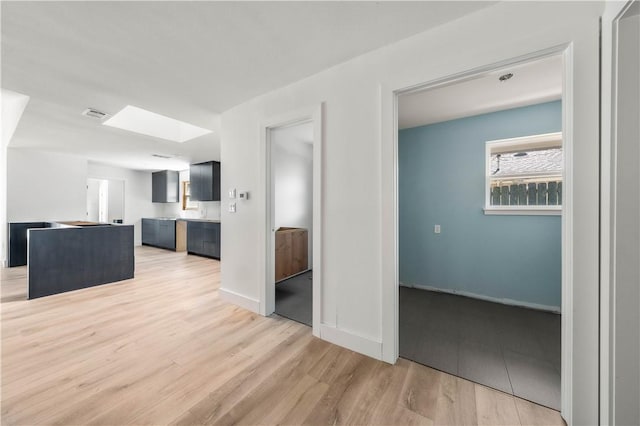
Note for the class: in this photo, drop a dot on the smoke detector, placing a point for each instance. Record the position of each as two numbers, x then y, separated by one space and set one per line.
94 113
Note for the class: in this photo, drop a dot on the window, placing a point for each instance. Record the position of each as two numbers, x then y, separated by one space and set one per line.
524 175
187 204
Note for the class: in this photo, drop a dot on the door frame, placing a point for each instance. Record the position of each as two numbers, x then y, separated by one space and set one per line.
312 114
389 156
614 11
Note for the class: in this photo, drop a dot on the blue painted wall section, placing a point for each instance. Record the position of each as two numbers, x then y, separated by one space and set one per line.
442 181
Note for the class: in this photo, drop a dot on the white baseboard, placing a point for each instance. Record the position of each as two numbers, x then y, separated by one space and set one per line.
511 302
238 299
351 341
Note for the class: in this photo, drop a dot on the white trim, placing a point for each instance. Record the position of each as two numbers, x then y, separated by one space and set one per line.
351 341
312 114
608 101
510 302
389 217
523 211
389 268
538 141
239 299
566 320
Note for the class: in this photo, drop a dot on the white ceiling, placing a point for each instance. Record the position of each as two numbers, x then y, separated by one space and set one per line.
186 60
532 83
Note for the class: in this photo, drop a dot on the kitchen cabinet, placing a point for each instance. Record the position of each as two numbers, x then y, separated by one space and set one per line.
18 241
167 234
203 238
165 186
205 181
159 233
71 257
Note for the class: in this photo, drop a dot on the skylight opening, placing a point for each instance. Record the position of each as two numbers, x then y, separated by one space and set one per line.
149 123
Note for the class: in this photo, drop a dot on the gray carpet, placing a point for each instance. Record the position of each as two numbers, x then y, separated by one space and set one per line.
515 350
294 298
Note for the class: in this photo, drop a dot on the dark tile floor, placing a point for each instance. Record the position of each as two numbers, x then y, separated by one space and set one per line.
515 350
294 298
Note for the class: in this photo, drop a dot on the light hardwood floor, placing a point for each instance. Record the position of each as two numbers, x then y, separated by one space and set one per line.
163 348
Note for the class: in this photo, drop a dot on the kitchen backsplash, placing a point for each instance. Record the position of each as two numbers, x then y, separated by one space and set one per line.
206 210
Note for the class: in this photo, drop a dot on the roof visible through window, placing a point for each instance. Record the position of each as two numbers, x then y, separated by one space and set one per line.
527 163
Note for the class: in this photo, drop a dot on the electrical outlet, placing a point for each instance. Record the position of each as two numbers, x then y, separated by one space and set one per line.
232 207
436 229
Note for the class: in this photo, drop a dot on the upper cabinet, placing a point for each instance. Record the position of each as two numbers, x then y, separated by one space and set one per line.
165 186
205 181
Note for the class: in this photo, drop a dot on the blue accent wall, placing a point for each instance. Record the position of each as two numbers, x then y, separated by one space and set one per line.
442 181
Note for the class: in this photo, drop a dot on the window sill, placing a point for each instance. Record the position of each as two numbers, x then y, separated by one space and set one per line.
525 211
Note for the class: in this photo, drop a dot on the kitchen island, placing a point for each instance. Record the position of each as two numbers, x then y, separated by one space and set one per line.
66 256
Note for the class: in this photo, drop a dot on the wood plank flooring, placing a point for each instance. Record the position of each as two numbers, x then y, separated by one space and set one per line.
163 348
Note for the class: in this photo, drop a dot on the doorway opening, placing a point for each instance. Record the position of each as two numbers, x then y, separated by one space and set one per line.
481 183
292 197
293 269
105 200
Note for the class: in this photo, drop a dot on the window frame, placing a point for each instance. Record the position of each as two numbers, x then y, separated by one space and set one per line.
187 203
546 140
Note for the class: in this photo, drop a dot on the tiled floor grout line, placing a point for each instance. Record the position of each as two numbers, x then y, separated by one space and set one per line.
463 327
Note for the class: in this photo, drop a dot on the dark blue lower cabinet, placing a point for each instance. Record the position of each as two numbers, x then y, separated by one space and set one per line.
203 238
159 233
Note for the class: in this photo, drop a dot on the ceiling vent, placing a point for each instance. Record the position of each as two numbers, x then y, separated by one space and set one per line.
160 156
94 113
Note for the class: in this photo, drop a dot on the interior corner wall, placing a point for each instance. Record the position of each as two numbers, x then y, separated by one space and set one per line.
43 186
137 194
358 246
442 181
292 162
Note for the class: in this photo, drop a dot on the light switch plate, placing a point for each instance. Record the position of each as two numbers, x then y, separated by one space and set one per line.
436 229
232 207
232 193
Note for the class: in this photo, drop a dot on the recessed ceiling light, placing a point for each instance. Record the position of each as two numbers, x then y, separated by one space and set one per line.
149 123
505 77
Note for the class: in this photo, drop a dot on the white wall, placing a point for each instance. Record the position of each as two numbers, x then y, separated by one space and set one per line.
13 105
115 208
137 194
292 168
358 191
45 186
